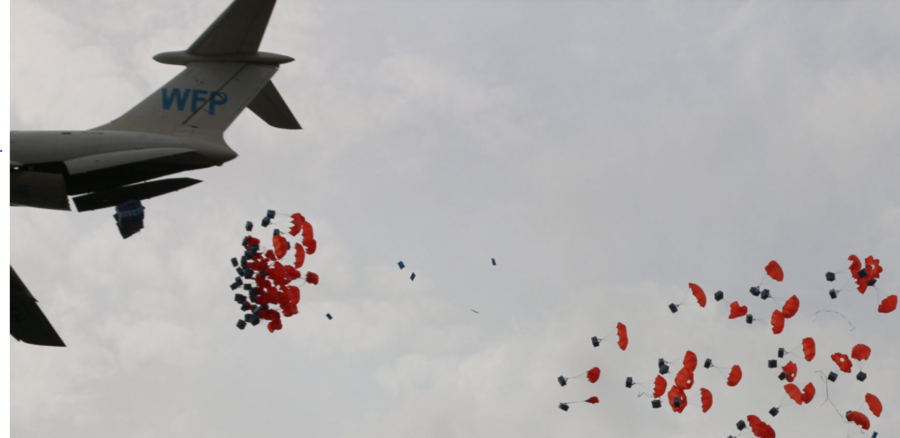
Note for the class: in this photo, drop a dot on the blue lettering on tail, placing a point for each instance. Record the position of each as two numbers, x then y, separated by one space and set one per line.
197 97
180 96
217 98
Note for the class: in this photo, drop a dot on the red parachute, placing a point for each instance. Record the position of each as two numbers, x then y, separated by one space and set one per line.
685 379
842 361
676 392
759 428
593 400
874 404
809 392
690 360
735 376
855 266
623 336
858 418
777 322
861 352
794 393
790 307
809 349
299 256
279 243
774 271
888 305
790 370
659 386
593 375
705 399
698 293
737 310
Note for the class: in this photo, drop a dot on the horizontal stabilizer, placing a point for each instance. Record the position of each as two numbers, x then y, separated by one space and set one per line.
238 30
136 192
27 322
270 107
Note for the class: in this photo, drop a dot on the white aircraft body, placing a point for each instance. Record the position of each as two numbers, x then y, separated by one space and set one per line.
177 128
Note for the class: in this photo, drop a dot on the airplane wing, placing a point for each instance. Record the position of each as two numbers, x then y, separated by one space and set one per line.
238 30
26 321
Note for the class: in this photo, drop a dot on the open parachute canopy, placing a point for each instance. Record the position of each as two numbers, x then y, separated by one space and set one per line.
874 404
858 418
790 307
760 428
794 393
774 271
735 376
888 304
809 349
698 293
690 360
809 392
777 322
861 352
790 371
677 399
623 336
842 361
737 310
659 386
593 375
706 399
269 282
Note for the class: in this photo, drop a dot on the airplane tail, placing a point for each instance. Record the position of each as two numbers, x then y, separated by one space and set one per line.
225 73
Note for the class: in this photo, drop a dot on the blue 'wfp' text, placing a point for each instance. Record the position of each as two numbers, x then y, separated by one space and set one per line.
197 97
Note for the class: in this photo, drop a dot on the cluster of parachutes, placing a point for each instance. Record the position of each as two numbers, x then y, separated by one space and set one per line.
269 281
864 276
593 374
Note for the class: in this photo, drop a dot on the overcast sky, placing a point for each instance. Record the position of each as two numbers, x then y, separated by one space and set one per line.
606 154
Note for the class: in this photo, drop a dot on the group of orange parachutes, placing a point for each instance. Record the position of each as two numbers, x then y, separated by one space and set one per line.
865 275
269 281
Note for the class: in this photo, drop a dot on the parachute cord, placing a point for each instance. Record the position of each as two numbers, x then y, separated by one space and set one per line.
781 403
682 298
828 397
839 313
845 283
720 372
610 334
642 393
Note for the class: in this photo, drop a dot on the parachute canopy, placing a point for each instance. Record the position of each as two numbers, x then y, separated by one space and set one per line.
861 352
790 307
874 404
706 399
690 360
623 336
809 392
777 322
659 386
809 349
842 361
698 293
593 375
737 310
858 418
888 304
791 370
794 393
774 271
735 376
685 379
677 393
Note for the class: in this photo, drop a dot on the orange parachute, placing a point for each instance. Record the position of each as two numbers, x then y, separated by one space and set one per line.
842 361
809 349
874 404
705 399
737 310
690 360
593 375
279 243
777 322
760 429
809 392
861 352
774 271
858 418
790 307
623 336
698 293
790 371
735 376
681 402
794 393
685 379
888 305
659 386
